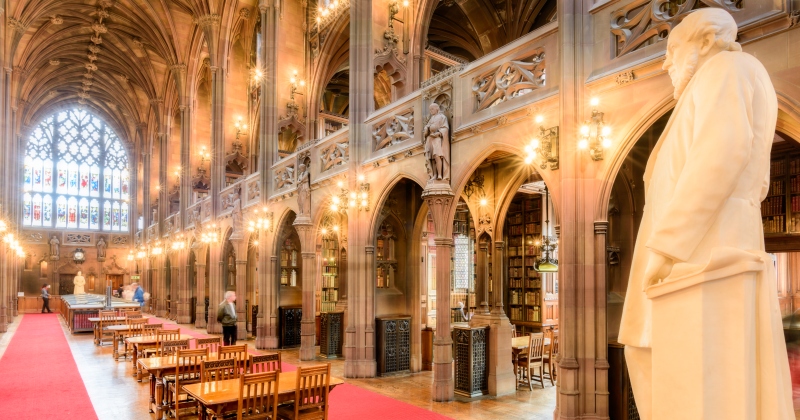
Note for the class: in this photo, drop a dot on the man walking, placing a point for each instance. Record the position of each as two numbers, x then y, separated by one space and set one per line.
138 295
226 315
46 298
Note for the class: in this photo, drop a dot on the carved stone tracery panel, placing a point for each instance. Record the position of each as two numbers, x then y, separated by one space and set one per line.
393 130
337 153
509 80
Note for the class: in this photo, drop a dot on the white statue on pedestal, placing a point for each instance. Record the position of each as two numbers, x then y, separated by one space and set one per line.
79 283
701 321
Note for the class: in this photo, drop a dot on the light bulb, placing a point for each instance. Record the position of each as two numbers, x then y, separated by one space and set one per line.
340 184
363 203
352 203
484 201
334 207
405 3
335 200
606 130
292 80
244 127
361 178
539 119
336 228
302 83
324 231
352 195
535 144
583 144
594 101
529 149
606 143
528 160
584 130
363 195
255 243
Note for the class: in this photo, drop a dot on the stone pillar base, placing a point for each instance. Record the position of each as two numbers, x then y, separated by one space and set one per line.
443 385
308 340
200 316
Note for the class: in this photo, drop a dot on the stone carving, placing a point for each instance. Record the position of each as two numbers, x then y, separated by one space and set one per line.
510 80
334 155
253 190
304 188
118 241
101 249
646 22
394 130
55 62
54 252
236 161
284 177
32 237
485 224
56 20
235 198
624 77
79 282
700 244
437 145
78 239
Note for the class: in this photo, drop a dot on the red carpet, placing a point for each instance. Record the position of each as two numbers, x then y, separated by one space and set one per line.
39 377
349 401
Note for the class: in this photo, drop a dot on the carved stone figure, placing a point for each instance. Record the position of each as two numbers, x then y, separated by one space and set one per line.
236 214
101 249
303 191
79 283
437 145
155 216
54 242
701 285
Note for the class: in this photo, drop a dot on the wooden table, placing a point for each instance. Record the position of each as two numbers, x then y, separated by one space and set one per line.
518 344
216 396
141 343
96 326
119 331
158 367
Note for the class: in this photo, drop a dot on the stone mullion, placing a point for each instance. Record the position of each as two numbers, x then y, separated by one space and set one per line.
200 284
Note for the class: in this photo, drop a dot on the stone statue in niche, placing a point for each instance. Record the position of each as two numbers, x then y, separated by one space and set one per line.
437 145
79 282
236 214
54 242
701 285
303 190
101 249
155 216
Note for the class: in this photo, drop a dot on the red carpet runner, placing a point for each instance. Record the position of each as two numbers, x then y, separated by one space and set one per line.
349 402
39 377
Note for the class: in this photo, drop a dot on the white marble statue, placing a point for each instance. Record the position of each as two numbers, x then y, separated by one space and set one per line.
437 145
79 283
303 191
701 322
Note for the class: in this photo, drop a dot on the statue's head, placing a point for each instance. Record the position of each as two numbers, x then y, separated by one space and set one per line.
700 36
79 273
434 108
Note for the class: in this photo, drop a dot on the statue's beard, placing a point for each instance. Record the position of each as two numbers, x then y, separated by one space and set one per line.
680 79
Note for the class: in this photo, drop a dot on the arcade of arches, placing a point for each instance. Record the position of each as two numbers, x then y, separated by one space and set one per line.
276 149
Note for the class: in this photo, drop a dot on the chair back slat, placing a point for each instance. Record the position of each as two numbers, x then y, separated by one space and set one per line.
172 334
536 348
151 329
212 343
171 347
238 353
135 326
189 365
218 370
258 395
133 315
265 363
313 383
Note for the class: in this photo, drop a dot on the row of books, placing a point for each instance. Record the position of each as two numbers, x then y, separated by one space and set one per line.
515 314
796 204
531 314
519 251
778 167
772 206
795 184
514 297
330 295
532 298
329 281
330 269
776 187
533 229
774 224
327 306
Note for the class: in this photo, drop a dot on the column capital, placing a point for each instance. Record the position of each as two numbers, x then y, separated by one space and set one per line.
600 227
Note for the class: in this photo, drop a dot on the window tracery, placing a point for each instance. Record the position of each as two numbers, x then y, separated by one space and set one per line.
75 175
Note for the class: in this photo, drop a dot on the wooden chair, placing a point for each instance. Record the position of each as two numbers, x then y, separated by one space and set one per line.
258 396
107 319
265 363
218 370
171 347
513 331
212 343
311 394
549 359
187 372
135 329
238 353
133 315
533 360
162 335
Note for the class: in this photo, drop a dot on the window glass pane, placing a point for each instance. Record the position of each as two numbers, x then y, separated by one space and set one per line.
83 209
94 215
26 209
37 174
72 187
47 211
461 261
125 187
61 212
37 210
47 184
72 212
115 222
84 185
61 186
94 182
27 175
106 216
124 216
107 183
117 188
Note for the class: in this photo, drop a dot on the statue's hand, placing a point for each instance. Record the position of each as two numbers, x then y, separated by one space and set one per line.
658 268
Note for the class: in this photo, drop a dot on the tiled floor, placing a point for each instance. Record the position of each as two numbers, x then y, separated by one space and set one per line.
116 395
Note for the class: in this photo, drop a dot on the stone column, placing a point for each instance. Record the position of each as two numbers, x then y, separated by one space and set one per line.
601 365
502 379
200 279
439 198
241 290
215 293
308 334
269 300
183 306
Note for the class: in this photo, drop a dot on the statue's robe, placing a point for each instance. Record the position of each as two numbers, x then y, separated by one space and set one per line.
439 146
704 183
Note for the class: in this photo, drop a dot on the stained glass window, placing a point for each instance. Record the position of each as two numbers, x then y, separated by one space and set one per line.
71 160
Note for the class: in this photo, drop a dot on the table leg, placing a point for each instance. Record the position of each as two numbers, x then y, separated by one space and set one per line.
96 340
137 371
152 392
159 395
116 346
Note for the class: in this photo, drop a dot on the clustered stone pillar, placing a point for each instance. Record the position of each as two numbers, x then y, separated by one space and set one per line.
308 336
200 283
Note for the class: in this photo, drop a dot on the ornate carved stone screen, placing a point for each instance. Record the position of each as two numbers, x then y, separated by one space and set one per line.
290 317
469 355
394 344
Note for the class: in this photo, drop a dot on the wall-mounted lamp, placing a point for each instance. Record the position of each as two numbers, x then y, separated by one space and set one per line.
295 82
484 202
131 256
141 254
241 128
178 243
210 234
157 249
394 10
346 199
262 222
598 140
544 146
325 12
204 156
547 261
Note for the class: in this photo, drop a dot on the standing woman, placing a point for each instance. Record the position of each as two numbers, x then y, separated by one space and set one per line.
46 298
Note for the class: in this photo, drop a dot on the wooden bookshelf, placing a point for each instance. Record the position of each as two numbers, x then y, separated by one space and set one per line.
780 210
290 263
330 274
